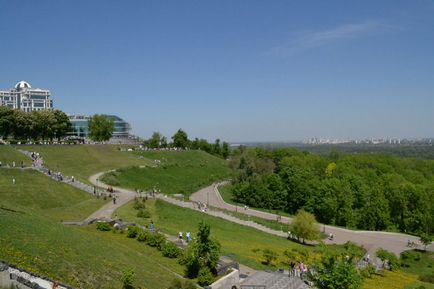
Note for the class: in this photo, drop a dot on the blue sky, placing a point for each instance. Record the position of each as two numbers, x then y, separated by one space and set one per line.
238 70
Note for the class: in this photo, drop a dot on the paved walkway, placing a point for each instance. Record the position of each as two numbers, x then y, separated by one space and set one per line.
370 240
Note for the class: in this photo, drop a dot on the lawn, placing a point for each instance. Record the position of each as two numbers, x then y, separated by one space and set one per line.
32 238
8 155
174 172
82 161
243 244
395 280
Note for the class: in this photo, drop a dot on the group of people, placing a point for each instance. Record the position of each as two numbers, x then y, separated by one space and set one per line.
12 165
188 238
37 160
202 207
297 270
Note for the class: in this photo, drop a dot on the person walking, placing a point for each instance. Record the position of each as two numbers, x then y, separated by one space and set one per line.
292 269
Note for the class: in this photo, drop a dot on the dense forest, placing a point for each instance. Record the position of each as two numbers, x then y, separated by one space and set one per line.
364 191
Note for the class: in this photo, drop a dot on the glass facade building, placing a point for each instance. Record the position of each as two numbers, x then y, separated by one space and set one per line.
80 126
26 98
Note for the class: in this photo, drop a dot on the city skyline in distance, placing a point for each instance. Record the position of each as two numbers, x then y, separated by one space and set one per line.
259 72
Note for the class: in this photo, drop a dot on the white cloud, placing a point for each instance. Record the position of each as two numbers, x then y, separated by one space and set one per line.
311 40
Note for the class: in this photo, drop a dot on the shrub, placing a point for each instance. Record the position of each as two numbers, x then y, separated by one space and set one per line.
142 213
392 260
368 271
170 250
127 279
156 240
269 256
411 255
103 226
142 236
205 277
132 232
139 205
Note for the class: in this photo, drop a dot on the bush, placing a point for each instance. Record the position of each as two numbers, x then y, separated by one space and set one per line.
205 277
142 236
139 205
392 260
368 271
127 279
170 250
142 213
156 240
411 255
103 226
132 232
269 256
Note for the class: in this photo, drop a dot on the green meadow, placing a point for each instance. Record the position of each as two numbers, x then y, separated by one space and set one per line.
172 172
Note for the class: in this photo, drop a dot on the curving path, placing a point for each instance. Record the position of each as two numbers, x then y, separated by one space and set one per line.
370 240
123 196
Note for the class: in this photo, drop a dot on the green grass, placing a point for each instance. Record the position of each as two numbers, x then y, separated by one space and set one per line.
8 155
32 238
181 172
82 161
423 266
35 193
243 244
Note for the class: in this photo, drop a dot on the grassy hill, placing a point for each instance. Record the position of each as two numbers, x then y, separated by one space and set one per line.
82 161
8 155
243 244
32 237
173 172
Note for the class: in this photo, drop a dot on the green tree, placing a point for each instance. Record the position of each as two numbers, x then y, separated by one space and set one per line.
216 149
100 128
331 167
225 150
180 139
155 140
426 240
204 252
7 119
304 226
44 123
334 273
62 125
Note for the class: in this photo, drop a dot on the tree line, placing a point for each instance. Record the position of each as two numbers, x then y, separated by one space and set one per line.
372 192
35 125
180 140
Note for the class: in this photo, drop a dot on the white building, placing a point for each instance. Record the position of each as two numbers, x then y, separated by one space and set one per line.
26 98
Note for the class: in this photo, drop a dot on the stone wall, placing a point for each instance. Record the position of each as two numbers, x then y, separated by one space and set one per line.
230 281
11 277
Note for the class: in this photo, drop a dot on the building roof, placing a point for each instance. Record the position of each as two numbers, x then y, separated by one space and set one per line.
22 85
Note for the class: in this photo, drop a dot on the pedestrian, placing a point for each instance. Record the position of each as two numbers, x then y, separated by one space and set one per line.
114 200
152 226
0 164
13 164
22 164
180 235
72 179
13 181
94 190
292 269
188 236
301 268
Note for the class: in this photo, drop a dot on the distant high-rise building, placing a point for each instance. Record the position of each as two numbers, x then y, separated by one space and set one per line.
26 98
